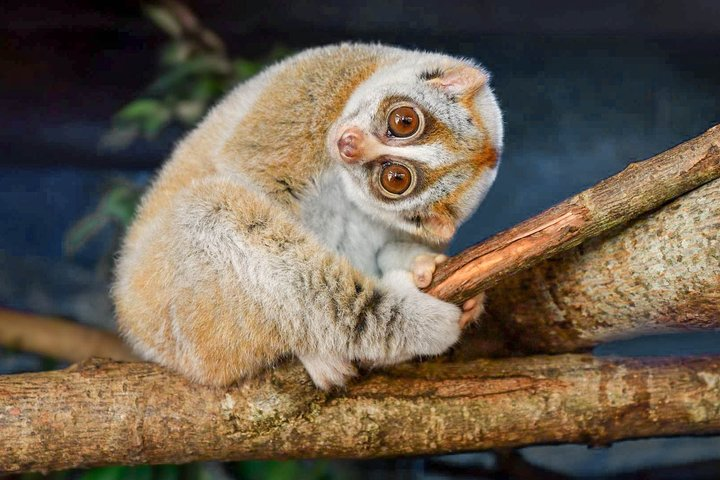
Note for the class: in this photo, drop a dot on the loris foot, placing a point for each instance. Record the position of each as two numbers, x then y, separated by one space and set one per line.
423 267
472 309
328 372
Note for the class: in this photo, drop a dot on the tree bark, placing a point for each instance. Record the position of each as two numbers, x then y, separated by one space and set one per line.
661 273
640 188
101 413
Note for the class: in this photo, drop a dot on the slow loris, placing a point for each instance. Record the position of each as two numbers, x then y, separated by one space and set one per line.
301 216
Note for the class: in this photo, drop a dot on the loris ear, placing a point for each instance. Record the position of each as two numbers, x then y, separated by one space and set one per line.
460 80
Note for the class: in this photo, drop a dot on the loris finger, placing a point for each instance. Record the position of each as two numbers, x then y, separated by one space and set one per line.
424 266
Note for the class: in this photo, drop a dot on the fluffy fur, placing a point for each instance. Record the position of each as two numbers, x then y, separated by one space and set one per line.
259 240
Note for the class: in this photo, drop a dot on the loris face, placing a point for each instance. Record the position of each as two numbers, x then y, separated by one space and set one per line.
419 144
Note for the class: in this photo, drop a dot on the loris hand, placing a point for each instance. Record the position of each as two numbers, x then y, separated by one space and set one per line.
423 267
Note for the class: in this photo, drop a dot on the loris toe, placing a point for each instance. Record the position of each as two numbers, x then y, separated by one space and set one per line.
472 309
328 372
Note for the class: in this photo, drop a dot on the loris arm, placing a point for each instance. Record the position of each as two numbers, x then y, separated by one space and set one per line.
267 277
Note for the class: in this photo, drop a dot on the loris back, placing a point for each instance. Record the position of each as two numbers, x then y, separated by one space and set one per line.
300 217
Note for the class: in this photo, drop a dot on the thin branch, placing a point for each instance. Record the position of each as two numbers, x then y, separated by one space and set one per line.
58 338
638 189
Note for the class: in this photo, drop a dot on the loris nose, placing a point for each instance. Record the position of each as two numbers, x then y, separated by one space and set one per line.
350 144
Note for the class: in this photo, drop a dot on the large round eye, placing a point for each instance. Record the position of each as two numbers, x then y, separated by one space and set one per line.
404 121
395 179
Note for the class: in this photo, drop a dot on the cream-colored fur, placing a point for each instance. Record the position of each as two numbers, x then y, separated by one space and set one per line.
258 240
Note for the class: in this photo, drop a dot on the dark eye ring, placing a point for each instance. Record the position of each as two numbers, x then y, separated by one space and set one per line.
404 121
396 179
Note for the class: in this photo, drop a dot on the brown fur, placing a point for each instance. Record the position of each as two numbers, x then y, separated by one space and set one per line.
280 130
294 148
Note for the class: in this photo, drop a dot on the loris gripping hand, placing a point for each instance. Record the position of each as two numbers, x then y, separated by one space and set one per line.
299 217
423 267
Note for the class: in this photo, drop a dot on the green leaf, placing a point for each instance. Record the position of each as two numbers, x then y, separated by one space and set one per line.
117 204
163 19
176 52
82 231
151 126
120 203
207 88
119 136
212 41
246 68
176 76
140 109
147 115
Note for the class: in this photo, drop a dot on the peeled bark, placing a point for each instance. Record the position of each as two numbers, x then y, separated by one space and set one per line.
661 273
101 413
638 189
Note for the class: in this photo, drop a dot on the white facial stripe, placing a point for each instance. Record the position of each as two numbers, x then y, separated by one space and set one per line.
431 155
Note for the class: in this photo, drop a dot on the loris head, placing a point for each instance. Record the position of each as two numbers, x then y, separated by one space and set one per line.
419 143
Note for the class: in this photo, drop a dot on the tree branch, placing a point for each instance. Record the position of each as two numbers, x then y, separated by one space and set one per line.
640 188
101 413
660 273
59 338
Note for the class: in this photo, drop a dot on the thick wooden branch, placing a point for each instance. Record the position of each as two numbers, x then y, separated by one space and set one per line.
640 188
58 338
660 273
113 413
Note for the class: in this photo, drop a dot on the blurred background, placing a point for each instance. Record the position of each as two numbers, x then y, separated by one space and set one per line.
93 96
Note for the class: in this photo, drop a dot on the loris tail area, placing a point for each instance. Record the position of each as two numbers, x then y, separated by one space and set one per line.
303 213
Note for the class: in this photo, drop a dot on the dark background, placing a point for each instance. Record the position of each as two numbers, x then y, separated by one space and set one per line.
586 88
